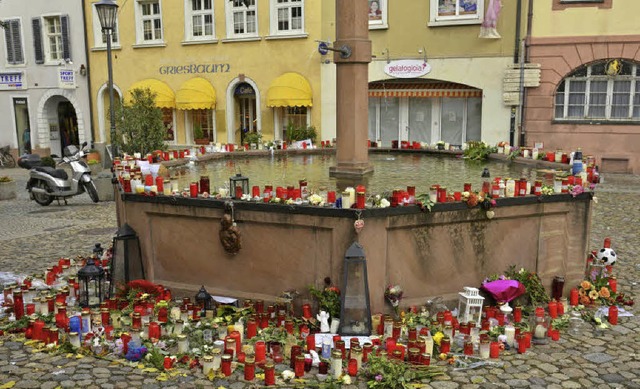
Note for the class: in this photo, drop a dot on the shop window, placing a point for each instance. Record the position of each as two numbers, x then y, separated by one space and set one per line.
167 120
149 22
377 14
203 119
242 20
199 20
13 41
287 17
99 37
604 91
448 12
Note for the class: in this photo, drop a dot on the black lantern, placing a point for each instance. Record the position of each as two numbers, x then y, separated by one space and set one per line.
204 300
98 251
238 185
92 285
355 310
126 263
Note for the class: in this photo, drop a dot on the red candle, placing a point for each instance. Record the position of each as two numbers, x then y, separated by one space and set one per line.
390 345
238 192
311 342
331 197
255 191
252 328
486 187
168 363
494 350
352 367
31 308
260 349
18 304
522 344
445 345
154 330
249 369
613 284
573 297
425 359
236 335
38 329
148 180
360 200
226 365
467 187
517 314
193 189
613 315
269 374
553 309
299 366
555 334
296 351
468 347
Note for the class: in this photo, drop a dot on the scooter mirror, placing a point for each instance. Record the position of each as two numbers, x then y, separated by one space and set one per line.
84 143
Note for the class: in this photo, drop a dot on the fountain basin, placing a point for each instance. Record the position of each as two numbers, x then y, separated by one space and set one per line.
286 247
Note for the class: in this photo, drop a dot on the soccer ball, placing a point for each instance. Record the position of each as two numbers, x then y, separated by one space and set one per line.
607 256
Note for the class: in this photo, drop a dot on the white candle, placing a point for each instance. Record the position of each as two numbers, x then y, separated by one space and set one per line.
510 333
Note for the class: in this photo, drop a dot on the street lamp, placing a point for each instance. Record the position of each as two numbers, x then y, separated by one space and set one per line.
107 13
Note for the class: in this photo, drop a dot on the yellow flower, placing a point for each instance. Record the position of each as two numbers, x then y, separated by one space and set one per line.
604 292
585 285
594 294
438 337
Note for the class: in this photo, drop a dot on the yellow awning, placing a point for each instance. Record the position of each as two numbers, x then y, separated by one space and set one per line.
196 93
290 90
165 98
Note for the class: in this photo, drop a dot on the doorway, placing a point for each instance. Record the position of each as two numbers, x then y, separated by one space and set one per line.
246 119
68 124
23 130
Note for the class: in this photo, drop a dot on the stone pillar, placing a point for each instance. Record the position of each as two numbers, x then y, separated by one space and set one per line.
352 100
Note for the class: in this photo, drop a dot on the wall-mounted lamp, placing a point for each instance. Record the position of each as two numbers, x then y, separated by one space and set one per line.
83 70
423 51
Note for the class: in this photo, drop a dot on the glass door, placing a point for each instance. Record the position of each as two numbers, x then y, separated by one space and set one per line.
23 131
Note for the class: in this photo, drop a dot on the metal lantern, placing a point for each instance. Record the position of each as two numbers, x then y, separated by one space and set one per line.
204 300
98 251
107 12
355 310
92 284
469 305
126 263
238 185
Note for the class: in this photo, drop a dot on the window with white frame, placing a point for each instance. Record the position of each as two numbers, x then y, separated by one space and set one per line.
149 21
53 38
447 12
199 20
377 14
13 41
99 37
242 19
287 17
604 91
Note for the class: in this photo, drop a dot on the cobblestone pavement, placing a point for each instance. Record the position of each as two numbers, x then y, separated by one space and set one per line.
32 236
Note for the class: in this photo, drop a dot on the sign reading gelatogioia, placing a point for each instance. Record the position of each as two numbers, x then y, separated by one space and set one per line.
195 68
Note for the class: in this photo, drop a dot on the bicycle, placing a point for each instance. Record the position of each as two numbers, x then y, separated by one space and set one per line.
6 159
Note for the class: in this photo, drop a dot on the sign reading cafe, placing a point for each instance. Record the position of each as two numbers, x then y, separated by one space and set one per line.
195 68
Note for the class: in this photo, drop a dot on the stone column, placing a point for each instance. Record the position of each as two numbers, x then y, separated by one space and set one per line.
352 100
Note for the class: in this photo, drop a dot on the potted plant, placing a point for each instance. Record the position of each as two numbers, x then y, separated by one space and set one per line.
198 135
253 139
7 188
93 156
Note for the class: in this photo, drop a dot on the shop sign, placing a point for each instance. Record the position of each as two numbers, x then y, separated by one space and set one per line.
66 79
244 90
195 68
12 81
407 68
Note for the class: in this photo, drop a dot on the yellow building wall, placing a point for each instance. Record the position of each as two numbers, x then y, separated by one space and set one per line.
261 61
620 19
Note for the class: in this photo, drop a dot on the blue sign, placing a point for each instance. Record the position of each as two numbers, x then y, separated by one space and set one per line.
11 80
323 48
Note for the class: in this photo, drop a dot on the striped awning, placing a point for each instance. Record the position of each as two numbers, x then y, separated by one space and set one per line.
436 89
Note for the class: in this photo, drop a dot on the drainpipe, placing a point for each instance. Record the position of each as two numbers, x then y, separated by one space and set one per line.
527 44
516 58
86 54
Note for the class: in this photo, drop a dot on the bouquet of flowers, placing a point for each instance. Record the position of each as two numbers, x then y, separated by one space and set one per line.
328 298
393 294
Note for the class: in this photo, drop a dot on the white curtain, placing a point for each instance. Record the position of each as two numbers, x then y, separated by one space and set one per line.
597 99
474 119
576 99
620 100
389 120
452 114
420 120
373 102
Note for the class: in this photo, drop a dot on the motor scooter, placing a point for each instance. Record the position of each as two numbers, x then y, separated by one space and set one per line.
47 184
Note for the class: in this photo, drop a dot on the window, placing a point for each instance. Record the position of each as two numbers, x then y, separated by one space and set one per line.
99 37
13 42
199 20
603 91
377 14
53 38
287 17
149 22
242 21
447 12
167 120
203 119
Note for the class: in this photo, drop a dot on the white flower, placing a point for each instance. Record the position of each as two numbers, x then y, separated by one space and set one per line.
288 375
384 203
346 379
315 199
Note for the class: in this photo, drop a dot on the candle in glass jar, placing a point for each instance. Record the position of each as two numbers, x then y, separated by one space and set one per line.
226 365
573 297
207 365
336 363
269 374
249 368
183 344
613 315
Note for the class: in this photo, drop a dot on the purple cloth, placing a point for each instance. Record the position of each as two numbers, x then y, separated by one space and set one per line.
504 290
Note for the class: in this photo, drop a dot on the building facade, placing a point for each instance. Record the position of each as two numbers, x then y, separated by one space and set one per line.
229 67
44 94
589 95
220 69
